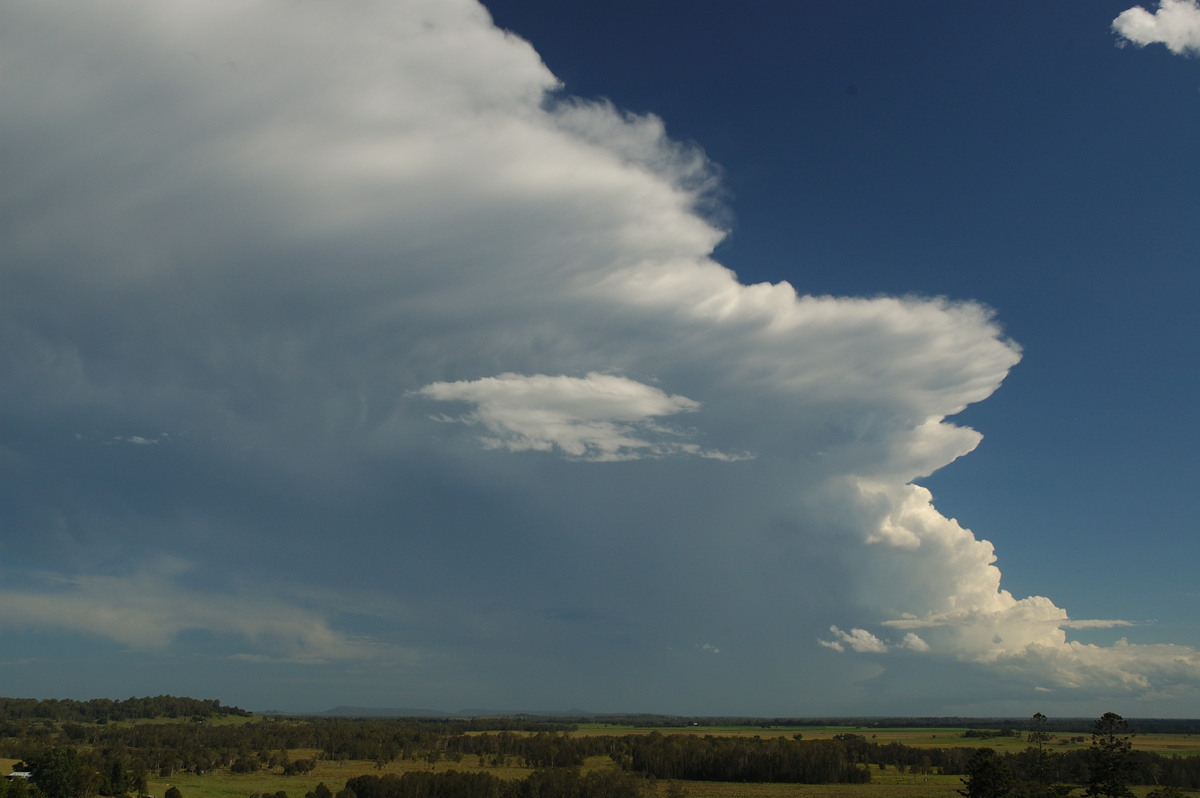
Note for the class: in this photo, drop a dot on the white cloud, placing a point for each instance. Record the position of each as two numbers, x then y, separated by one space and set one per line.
859 640
599 417
1175 23
970 618
1096 623
1119 669
139 440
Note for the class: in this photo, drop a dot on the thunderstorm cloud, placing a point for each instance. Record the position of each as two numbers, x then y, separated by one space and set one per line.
419 373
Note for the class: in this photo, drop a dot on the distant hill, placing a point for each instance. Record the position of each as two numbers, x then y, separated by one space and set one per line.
381 712
1080 725
412 712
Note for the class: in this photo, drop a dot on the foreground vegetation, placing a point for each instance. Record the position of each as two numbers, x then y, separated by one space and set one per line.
182 748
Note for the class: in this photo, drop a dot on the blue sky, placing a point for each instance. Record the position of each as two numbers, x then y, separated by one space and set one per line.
790 359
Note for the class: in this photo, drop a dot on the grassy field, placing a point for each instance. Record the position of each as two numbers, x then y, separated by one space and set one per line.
886 784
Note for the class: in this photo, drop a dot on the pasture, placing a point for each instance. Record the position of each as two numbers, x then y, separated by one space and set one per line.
886 784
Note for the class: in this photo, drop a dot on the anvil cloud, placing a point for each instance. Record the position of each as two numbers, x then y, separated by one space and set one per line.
450 403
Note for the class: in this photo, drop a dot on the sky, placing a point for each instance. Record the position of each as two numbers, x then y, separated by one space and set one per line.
783 359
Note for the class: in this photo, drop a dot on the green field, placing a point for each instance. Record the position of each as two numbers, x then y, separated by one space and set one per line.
886 784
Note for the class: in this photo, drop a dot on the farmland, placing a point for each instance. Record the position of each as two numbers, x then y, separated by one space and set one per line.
209 751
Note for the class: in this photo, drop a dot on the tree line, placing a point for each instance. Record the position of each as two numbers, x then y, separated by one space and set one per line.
103 710
550 783
1106 769
714 758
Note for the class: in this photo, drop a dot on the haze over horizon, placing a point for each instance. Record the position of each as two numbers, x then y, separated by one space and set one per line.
431 353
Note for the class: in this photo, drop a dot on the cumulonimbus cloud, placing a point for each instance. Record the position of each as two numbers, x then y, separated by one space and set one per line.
973 619
280 233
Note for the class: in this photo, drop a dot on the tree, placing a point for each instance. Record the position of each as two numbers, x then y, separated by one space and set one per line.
1038 736
1112 758
62 773
1036 760
987 776
172 792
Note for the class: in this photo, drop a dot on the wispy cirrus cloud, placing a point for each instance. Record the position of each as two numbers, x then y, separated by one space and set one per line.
149 611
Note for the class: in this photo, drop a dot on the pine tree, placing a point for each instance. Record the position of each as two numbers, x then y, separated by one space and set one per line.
987 776
1112 758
